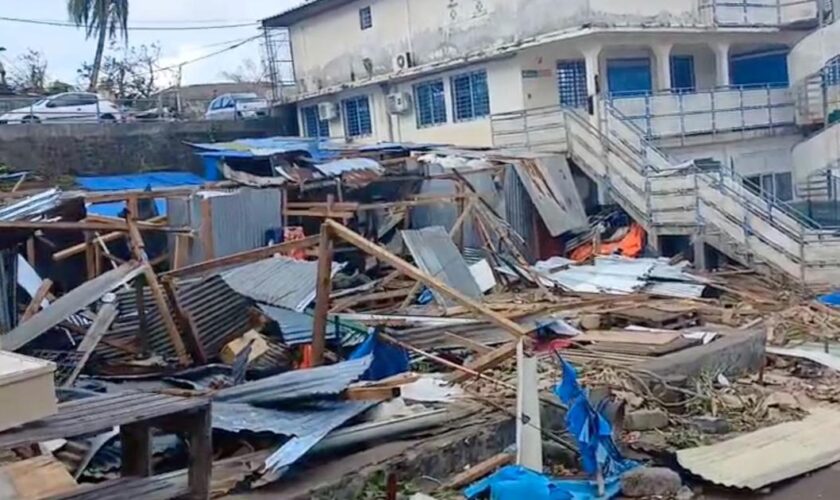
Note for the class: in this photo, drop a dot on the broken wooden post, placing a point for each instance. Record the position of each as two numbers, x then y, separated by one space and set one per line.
104 318
35 304
193 341
400 264
143 323
322 296
206 229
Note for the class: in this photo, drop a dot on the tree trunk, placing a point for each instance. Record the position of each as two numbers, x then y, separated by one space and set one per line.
97 60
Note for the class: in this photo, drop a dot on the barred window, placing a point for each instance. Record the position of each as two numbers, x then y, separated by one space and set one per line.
313 126
470 96
571 80
357 122
429 103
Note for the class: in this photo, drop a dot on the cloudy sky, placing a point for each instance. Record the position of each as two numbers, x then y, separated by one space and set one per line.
66 48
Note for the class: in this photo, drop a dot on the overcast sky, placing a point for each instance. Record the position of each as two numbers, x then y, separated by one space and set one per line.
66 48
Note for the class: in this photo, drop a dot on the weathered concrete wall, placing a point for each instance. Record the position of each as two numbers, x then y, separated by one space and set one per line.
76 149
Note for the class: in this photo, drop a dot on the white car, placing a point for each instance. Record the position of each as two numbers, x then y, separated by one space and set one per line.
66 107
237 106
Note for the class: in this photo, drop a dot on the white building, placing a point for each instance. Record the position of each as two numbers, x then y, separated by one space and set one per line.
629 90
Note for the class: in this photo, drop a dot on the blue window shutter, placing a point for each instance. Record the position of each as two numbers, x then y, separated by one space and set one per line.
430 103
629 77
571 81
682 74
831 72
760 69
357 120
470 96
313 126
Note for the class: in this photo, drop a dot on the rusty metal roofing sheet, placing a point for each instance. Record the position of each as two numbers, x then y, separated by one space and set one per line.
327 380
435 252
278 281
69 303
771 454
549 182
296 327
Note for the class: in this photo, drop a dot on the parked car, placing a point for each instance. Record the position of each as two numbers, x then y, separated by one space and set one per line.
237 106
66 107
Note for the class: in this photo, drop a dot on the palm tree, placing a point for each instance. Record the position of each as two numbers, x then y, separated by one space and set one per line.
106 19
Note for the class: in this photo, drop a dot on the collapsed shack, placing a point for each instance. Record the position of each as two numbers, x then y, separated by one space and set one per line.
319 315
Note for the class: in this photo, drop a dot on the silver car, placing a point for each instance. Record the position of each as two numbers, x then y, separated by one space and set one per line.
66 107
237 107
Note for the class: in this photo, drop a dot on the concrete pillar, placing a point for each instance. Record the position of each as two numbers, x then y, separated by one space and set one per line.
663 66
591 55
700 253
722 63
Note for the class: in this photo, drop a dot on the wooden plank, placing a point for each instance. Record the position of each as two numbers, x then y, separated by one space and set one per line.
88 226
105 238
206 229
38 477
242 257
380 253
181 253
185 321
104 318
371 393
479 471
200 438
30 251
322 296
469 343
35 304
491 359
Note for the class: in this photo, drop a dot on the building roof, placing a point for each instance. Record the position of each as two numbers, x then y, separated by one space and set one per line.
304 11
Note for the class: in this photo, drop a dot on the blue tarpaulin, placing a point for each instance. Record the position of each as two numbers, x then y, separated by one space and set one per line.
153 180
388 359
514 482
264 148
832 299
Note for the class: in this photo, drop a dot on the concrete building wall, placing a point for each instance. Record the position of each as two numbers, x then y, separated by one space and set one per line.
816 153
440 30
762 155
813 51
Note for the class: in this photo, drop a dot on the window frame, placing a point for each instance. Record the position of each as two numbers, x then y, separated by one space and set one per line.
363 131
474 113
571 88
365 18
437 117
321 125
692 72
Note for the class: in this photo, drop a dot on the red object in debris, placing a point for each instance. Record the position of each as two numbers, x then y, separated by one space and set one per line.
295 233
631 245
306 362
553 345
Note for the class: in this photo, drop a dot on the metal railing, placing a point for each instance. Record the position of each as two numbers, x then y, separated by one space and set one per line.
724 109
759 12
38 110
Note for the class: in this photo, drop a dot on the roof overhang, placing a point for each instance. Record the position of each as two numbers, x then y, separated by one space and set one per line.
301 12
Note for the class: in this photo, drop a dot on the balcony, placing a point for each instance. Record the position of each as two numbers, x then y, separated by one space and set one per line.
759 12
668 115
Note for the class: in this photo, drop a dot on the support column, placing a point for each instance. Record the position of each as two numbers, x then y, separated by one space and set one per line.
663 66
591 56
722 63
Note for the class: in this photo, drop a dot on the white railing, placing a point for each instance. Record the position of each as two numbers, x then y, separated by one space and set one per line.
682 199
758 12
536 129
817 153
667 114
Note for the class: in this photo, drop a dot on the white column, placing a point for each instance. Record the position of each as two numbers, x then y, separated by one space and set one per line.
722 63
591 55
663 66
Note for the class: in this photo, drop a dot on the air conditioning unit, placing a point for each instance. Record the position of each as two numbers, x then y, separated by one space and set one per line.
327 111
402 62
399 103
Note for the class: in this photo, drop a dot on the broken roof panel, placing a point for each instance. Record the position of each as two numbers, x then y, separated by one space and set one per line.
278 281
32 206
69 303
328 380
135 181
769 455
300 421
296 327
549 182
435 252
263 147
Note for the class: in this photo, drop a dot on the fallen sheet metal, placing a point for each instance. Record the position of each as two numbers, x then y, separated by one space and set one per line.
296 327
551 187
31 207
300 421
435 252
299 384
278 281
769 455
810 352
73 301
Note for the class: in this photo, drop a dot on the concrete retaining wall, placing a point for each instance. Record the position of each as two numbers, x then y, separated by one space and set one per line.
55 150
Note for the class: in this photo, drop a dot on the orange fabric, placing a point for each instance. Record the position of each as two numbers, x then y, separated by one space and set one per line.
306 362
294 233
631 245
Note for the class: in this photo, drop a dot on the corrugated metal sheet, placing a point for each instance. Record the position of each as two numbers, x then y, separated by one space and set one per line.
31 206
263 147
435 252
520 212
278 281
218 312
300 421
242 219
347 165
296 327
299 384
69 303
151 180
675 289
549 182
769 455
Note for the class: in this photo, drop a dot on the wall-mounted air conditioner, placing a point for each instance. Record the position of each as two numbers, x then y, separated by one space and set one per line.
402 62
327 111
399 103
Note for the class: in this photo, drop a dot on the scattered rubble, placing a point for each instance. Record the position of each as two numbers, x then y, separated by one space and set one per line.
361 303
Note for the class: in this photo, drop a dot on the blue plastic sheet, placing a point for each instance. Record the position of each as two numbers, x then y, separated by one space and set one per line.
388 359
135 181
514 482
832 299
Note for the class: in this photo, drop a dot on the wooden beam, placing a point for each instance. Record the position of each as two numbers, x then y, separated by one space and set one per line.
242 257
35 305
106 238
104 318
322 296
489 360
87 226
30 251
206 230
193 341
479 471
181 253
380 253
361 393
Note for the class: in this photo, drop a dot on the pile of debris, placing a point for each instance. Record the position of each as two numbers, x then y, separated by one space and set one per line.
355 322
